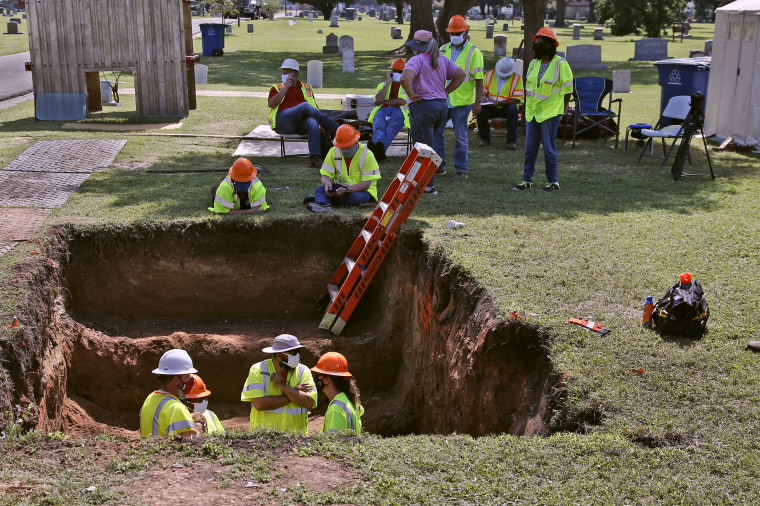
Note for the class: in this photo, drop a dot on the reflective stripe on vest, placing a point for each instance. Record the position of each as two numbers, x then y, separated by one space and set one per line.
468 77
288 411
212 417
231 205
308 94
555 76
183 424
512 82
336 171
347 411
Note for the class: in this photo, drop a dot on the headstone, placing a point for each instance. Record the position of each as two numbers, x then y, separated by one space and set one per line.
489 31
621 81
350 14
106 97
650 50
518 52
371 13
229 28
348 61
201 73
12 28
250 27
500 45
331 44
505 28
16 20
320 32
408 17
396 33
334 21
300 14
577 31
311 17
585 57
599 33
345 43
314 73
708 47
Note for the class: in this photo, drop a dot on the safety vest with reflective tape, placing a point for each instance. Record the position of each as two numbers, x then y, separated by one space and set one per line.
363 167
289 418
308 94
401 94
470 59
342 415
163 415
512 88
213 425
226 197
547 100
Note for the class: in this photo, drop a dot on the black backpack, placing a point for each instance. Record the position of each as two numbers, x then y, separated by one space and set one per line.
683 311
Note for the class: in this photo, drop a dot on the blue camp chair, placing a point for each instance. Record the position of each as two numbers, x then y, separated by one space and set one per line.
673 115
589 107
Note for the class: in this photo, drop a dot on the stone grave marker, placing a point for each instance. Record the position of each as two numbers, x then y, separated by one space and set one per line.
345 43
334 21
708 47
331 44
577 31
396 33
621 81
250 27
489 31
12 28
229 28
320 32
348 61
650 50
599 33
311 17
585 57
505 28
314 73
500 45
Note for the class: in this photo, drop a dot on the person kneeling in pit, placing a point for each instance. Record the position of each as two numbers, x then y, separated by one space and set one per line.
349 174
345 410
240 192
196 399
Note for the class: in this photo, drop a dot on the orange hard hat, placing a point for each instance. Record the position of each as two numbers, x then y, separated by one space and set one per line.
345 136
242 170
398 64
457 24
547 32
332 363
196 388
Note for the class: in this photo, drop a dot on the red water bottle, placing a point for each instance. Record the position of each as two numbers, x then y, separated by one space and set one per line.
648 308
685 279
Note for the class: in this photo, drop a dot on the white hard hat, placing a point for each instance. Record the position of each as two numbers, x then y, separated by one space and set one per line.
175 362
505 67
290 63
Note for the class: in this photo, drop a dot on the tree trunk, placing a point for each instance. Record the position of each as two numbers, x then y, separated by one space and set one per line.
327 11
559 19
451 8
535 11
592 11
399 11
422 17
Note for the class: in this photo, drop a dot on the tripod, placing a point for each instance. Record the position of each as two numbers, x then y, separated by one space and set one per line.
694 121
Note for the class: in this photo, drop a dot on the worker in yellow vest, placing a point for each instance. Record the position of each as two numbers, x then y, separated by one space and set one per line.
293 110
349 174
502 93
240 192
548 88
281 389
163 414
196 399
345 410
391 113
464 99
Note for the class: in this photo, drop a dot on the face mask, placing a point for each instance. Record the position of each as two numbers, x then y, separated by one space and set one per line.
457 39
396 77
415 52
293 361
200 407
349 152
540 50
285 78
243 187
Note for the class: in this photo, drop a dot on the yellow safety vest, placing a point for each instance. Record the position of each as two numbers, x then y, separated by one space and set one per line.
470 59
363 167
213 425
342 415
308 94
546 100
401 94
512 88
226 197
163 415
289 418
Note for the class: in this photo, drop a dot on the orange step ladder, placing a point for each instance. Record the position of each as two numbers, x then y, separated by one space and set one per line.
366 254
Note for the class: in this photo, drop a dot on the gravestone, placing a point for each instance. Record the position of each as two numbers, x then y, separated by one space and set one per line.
585 57
371 13
228 28
250 27
577 31
334 21
708 47
621 81
348 61
408 17
489 31
599 33
505 28
320 32
12 29
650 50
201 73
396 33
350 14
300 14
331 44
16 20
518 52
345 43
382 15
314 73
500 45
311 17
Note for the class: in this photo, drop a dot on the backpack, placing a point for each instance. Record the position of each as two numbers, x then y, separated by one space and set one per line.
683 311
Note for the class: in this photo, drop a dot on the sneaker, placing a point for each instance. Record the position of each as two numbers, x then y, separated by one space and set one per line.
316 161
522 186
460 175
511 146
440 171
550 187
430 190
316 207
309 199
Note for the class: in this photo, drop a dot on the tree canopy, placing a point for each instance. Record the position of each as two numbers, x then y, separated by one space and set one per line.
648 16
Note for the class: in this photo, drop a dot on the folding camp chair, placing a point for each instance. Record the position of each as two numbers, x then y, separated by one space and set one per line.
588 97
676 109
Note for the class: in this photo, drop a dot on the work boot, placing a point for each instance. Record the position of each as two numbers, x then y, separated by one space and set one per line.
309 199
525 185
316 161
550 187
379 151
316 207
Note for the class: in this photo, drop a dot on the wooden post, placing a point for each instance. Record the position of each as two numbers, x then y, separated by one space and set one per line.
94 102
188 15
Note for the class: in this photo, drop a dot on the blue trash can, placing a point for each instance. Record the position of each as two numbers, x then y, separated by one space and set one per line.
212 37
682 76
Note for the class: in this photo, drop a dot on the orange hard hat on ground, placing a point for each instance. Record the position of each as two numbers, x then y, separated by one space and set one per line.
457 24
547 32
398 64
345 136
332 363
242 170
196 388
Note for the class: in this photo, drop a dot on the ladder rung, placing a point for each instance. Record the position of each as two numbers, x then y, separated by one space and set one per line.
366 234
350 263
383 206
333 290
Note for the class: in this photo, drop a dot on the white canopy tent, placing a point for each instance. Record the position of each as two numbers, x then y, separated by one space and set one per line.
733 102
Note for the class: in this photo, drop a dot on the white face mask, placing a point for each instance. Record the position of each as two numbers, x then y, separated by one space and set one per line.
200 407
396 77
285 78
457 39
293 360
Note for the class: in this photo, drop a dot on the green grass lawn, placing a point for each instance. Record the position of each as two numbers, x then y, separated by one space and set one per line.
687 431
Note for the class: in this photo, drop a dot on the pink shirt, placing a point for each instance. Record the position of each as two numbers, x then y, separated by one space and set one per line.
428 83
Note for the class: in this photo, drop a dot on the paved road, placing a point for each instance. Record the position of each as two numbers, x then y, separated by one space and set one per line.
15 80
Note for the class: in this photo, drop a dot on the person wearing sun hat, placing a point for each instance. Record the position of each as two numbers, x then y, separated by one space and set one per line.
240 192
425 79
502 93
281 389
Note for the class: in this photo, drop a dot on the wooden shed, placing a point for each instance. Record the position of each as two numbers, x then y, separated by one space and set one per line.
72 41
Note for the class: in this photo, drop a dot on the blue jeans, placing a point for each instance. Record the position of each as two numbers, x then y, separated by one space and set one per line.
536 134
459 116
305 119
491 111
348 199
427 119
386 125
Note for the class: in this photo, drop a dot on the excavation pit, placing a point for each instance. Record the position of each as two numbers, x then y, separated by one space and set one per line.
426 345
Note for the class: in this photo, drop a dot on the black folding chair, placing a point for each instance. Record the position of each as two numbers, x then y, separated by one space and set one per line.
589 107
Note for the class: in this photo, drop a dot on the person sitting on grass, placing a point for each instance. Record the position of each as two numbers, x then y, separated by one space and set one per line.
240 192
391 113
349 174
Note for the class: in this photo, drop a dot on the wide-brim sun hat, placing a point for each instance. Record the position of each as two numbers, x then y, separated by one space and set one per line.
283 343
420 40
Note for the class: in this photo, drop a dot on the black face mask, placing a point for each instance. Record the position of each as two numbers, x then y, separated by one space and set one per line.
540 49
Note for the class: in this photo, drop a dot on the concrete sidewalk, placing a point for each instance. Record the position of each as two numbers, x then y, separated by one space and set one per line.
16 80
